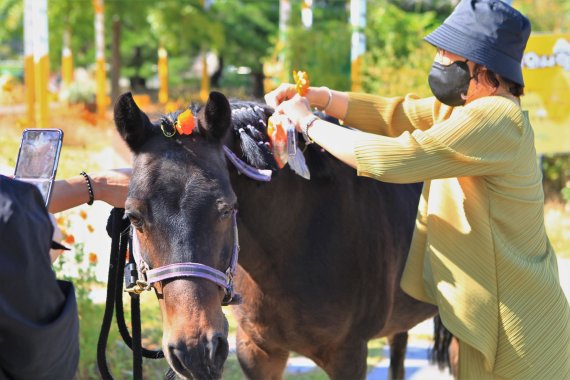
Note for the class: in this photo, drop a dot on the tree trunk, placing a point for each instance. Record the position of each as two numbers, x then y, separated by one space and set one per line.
116 58
217 75
257 77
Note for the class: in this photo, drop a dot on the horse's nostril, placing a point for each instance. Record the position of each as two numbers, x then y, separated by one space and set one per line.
177 360
218 349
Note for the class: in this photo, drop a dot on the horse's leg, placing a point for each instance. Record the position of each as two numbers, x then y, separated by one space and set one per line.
257 363
398 344
346 362
454 357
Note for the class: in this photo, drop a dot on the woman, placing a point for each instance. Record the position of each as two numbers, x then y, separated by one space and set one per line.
479 250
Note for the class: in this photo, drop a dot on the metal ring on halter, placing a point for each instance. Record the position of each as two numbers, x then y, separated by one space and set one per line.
167 134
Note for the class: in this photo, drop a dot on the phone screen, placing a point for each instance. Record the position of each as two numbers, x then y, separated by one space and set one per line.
38 158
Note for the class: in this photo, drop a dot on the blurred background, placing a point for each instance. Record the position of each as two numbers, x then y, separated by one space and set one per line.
64 62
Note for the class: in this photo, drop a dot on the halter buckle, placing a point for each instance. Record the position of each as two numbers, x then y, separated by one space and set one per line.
139 287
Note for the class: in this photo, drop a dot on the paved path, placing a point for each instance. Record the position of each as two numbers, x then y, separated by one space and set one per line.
417 364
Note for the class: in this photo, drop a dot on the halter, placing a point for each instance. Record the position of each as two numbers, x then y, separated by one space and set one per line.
225 280
263 175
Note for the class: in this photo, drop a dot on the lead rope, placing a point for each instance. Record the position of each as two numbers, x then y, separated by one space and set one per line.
116 227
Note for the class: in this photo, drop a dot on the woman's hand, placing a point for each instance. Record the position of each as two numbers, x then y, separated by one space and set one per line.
284 92
112 186
295 109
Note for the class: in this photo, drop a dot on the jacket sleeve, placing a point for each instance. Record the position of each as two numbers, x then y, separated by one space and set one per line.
39 326
393 116
482 138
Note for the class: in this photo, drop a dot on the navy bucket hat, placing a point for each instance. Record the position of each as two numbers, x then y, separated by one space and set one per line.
487 32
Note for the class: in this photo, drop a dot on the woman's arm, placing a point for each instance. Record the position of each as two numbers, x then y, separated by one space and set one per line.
109 186
334 103
368 113
482 139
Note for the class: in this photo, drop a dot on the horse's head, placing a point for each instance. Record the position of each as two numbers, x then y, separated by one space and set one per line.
182 207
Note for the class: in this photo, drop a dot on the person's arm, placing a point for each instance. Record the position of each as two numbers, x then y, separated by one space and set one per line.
369 113
334 103
110 186
482 139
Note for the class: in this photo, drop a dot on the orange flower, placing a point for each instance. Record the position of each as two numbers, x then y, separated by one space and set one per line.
93 258
301 82
60 221
185 123
83 214
69 239
90 228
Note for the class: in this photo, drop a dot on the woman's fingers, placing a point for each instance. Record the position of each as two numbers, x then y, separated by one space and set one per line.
284 92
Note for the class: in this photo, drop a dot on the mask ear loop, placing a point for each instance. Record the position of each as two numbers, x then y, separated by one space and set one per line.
472 77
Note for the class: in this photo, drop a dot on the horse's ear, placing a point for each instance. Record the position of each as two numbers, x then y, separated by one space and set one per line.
216 117
133 124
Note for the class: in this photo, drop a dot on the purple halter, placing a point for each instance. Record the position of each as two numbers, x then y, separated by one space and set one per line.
223 279
242 167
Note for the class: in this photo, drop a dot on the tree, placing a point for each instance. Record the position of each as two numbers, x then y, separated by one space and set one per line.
248 27
397 60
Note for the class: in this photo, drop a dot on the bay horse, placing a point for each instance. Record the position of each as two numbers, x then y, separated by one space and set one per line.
320 260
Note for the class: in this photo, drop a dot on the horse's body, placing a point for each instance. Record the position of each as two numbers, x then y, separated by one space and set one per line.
320 263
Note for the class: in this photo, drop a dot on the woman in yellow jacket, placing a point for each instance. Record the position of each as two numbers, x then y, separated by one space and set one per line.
480 250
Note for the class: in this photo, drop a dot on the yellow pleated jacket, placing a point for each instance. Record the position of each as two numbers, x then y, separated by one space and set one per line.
480 250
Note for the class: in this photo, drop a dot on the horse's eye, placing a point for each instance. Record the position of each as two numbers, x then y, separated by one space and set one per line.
225 210
135 220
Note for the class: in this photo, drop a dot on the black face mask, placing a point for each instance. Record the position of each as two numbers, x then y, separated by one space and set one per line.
449 83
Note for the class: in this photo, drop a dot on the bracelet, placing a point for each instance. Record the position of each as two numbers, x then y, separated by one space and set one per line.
305 125
89 188
329 101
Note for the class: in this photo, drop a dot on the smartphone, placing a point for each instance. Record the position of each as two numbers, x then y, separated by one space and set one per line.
38 158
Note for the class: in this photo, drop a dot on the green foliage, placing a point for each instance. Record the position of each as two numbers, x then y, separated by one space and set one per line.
556 169
11 16
247 27
323 50
326 59
184 27
77 19
397 60
546 16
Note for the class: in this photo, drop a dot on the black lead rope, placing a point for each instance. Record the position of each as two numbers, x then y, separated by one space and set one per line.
116 227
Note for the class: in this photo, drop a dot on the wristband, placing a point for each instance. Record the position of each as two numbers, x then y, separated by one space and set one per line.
305 125
89 188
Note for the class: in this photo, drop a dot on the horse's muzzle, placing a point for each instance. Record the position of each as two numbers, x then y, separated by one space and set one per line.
204 360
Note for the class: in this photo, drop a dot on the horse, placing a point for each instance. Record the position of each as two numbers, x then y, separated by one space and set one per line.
320 260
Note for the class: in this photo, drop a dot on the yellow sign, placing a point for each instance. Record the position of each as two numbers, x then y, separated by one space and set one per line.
546 71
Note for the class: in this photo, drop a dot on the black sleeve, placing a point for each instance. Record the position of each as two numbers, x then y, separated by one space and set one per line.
39 327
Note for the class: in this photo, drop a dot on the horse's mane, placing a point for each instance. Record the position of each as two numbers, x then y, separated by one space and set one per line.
249 127
249 123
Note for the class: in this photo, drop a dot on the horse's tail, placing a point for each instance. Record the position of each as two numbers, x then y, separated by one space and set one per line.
442 340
